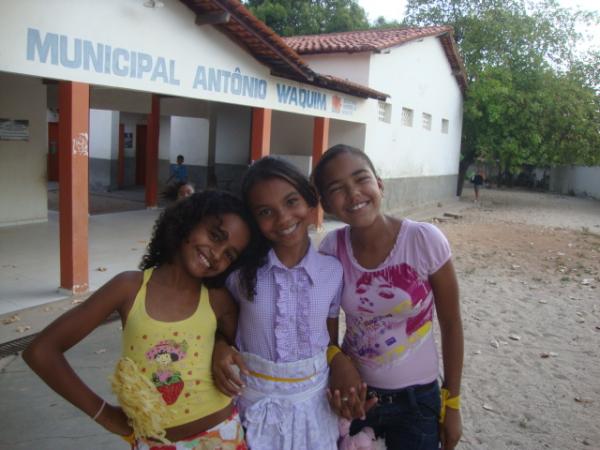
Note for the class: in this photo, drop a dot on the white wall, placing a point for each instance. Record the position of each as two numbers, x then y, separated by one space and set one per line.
576 180
120 100
348 66
104 134
23 186
291 134
349 133
164 138
417 75
233 134
174 106
189 137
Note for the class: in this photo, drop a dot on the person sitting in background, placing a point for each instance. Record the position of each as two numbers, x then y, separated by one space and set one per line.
178 191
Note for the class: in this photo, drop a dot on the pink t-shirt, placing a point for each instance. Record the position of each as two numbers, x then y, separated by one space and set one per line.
389 309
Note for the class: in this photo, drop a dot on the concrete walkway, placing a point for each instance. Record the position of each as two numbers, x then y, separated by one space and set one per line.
29 255
34 416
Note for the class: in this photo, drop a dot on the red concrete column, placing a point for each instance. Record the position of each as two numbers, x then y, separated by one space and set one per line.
121 158
73 102
320 144
261 133
151 184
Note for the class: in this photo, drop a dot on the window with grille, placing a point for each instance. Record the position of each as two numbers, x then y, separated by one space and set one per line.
407 117
445 125
427 121
385 112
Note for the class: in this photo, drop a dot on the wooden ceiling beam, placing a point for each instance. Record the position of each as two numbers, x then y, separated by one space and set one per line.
213 18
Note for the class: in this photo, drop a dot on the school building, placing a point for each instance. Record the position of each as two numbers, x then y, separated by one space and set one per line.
105 95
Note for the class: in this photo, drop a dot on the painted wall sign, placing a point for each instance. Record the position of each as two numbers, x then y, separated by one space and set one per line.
128 139
305 98
81 54
159 51
219 80
14 130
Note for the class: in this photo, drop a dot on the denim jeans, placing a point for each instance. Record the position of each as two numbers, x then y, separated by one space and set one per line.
407 418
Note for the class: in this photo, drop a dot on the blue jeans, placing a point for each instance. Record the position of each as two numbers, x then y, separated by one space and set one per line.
406 418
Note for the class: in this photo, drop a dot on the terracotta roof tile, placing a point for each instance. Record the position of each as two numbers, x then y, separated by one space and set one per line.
378 40
360 41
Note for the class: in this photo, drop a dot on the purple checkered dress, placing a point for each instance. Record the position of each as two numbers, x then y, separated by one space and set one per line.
287 323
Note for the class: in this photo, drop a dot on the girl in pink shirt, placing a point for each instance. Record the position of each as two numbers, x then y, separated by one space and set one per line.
397 273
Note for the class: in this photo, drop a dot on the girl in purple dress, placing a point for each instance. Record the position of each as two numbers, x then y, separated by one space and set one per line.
286 321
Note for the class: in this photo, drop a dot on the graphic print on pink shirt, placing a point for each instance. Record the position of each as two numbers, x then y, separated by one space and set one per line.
393 304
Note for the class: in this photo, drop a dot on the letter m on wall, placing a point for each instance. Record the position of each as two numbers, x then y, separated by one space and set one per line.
48 46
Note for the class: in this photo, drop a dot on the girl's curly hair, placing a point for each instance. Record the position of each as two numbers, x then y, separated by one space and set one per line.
176 222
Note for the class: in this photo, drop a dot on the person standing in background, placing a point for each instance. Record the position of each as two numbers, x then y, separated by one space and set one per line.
477 181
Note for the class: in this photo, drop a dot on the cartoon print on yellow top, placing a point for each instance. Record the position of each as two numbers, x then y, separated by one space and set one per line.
166 379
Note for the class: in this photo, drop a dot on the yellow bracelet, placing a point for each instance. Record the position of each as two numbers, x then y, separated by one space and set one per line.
448 402
332 350
130 438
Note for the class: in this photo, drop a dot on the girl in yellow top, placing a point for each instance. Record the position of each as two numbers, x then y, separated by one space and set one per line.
169 319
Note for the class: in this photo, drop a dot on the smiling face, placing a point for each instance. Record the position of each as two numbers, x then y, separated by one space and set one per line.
351 191
282 214
214 244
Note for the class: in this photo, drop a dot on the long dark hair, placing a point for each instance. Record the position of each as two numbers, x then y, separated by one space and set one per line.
176 222
264 169
330 155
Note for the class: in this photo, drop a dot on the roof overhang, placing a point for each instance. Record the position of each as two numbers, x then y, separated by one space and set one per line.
232 18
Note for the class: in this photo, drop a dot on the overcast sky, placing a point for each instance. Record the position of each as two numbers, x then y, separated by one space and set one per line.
394 9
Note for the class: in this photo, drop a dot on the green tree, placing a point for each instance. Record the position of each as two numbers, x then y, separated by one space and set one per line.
382 22
531 96
298 17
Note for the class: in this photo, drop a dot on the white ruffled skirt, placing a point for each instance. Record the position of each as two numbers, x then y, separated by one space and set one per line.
285 415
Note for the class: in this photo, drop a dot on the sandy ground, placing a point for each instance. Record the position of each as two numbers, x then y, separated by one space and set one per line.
529 271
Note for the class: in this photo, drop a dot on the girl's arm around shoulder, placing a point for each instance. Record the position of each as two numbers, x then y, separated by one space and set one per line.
445 290
328 246
226 312
224 354
45 354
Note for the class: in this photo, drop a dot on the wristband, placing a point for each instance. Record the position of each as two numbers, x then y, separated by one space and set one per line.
130 438
448 402
332 350
99 410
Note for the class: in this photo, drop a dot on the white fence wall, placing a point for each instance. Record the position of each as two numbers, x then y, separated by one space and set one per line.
576 180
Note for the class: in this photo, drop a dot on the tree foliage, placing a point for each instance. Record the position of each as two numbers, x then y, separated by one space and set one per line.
298 17
532 98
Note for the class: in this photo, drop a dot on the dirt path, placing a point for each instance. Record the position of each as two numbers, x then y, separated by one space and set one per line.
529 271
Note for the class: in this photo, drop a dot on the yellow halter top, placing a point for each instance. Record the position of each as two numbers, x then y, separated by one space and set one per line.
176 357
